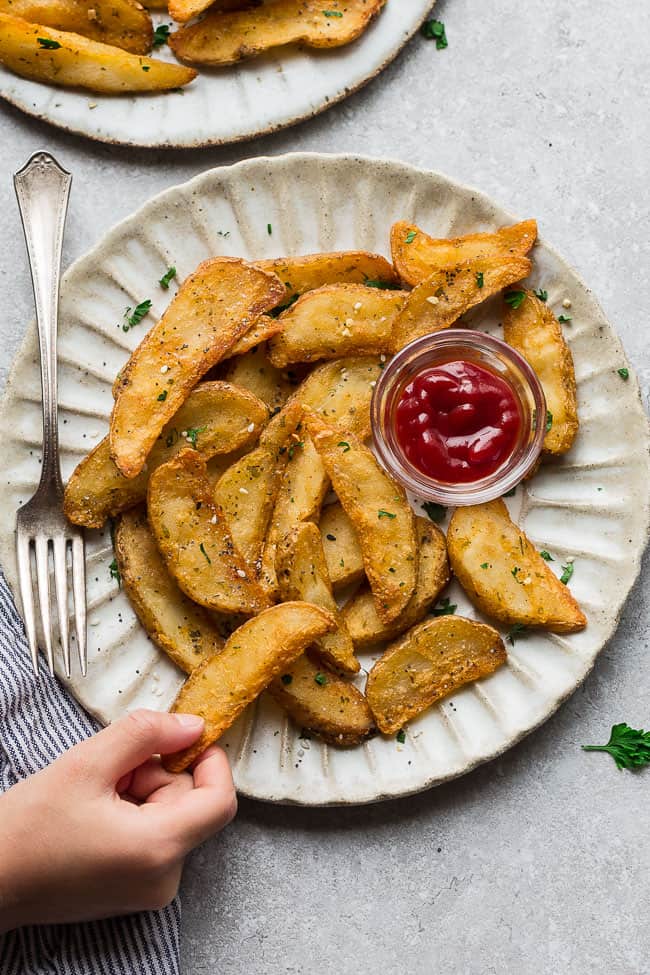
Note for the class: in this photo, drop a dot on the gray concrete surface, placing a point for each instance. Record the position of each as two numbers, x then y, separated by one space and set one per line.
537 863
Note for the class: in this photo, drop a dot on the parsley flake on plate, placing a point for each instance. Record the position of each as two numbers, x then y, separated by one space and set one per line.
135 316
444 608
435 512
516 630
565 319
623 373
115 573
161 35
541 293
567 572
168 276
400 736
515 298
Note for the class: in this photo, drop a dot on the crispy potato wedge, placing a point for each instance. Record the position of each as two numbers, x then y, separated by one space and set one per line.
416 255
341 547
263 329
225 38
258 651
336 320
441 299
216 418
428 663
211 311
534 331
360 613
517 586
194 540
302 574
311 271
379 510
246 492
341 391
254 372
175 623
329 707
184 10
70 60
122 23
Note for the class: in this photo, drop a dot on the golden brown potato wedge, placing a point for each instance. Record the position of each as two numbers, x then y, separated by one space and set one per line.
225 38
429 662
62 58
194 540
341 547
442 298
263 329
360 613
311 271
379 510
336 320
258 651
216 418
416 255
175 623
323 703
534 331
254 372
302 574
184 10
504 575
211 311
122 23
341 392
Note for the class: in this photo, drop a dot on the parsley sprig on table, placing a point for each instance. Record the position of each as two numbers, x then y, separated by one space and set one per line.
629 747
434 30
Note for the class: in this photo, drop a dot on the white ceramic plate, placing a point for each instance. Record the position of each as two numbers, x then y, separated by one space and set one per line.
227 104
592 506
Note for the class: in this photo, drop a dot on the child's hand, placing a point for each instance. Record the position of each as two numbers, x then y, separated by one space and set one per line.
104 829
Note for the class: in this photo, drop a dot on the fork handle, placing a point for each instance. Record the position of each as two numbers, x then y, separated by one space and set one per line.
42 188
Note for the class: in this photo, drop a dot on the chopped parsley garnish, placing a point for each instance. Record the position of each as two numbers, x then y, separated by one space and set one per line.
549 420
485 565
286 678
269 229
191 435
295 446
332 13
567 572
146 67
277 311
541 293
564 319
511 493
623 373
410 237
515 298
205 554
546 556
162 396
515 574
48 44
161 35
384 285
135 317
515 631
444 608
434 30
401 736
114 570
168 276
385 514
479 279
321 679
629 747
436 512
344 444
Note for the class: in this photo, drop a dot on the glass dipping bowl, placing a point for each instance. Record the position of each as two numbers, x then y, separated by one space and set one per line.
490 353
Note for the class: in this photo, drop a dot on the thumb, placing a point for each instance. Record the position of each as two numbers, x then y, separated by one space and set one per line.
133 739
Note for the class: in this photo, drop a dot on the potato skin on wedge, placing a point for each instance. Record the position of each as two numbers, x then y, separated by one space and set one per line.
193 538
416 255
534 331
517 585
428 663
256 653
329 707
311 271
79 62
341 547
183 630
122 23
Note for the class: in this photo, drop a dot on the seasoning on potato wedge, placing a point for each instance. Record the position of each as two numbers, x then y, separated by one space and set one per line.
225 38
341 547
194 540
428 663
175 623
259 650
416 255
322 703
122 23
212 309
341 391
533 330
264 329
360 613
216 418
63 58
439 301
336 320
504 575
311 271
254 372
379 510
302 574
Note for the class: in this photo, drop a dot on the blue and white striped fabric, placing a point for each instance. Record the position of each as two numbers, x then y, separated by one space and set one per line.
38 721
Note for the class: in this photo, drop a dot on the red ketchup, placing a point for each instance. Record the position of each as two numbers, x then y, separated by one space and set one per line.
457 422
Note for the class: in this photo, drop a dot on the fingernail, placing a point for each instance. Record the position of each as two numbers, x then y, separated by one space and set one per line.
190 720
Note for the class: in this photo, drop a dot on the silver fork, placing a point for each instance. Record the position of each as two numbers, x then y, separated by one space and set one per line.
43 188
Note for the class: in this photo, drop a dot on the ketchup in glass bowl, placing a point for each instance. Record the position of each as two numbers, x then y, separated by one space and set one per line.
455 417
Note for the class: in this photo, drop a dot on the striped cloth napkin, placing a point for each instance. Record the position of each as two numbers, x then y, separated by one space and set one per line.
38 721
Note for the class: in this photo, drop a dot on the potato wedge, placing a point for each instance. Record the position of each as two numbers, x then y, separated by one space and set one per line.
62 58
216 418
442 298
517 587
534 331
122 23
302 574
175 623
254 372
184 10
416 255
341 391
211 311
379 510
336 320
311 271
225 38
264 328
258 651
194 540
329 707
428 663
360 614
341 547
